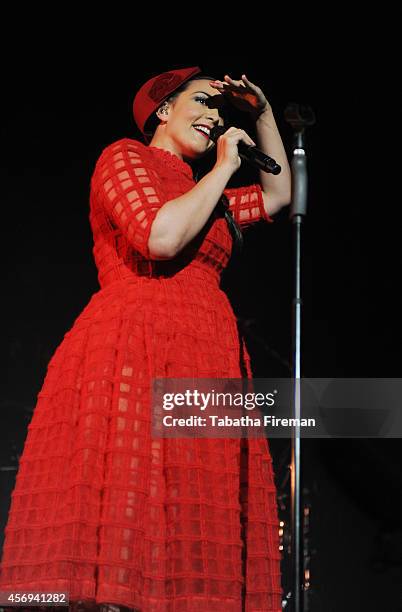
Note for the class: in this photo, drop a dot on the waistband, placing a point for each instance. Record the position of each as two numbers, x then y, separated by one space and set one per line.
193 273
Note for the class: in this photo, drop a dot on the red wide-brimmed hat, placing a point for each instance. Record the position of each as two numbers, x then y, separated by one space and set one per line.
151 95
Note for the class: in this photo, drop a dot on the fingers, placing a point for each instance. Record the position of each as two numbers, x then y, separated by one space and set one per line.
219 85
231 87
232 82
239 135
228 83
247 82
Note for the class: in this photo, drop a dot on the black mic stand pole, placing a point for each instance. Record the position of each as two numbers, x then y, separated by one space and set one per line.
299 117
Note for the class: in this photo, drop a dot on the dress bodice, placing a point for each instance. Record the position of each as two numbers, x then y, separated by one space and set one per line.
130 183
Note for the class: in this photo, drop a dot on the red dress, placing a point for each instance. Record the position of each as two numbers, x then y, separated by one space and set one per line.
101 509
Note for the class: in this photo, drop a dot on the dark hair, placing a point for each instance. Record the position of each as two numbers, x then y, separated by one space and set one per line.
153 122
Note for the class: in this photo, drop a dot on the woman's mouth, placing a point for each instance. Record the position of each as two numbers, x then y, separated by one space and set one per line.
203 130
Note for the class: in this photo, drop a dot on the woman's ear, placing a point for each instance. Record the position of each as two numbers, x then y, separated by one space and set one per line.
163 112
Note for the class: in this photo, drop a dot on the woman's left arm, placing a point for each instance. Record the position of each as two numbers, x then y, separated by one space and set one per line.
276 189
248 97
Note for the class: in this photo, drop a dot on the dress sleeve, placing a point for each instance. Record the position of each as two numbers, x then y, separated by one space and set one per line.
247 205
129 190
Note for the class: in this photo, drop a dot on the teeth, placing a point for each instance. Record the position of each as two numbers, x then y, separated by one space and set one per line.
201 128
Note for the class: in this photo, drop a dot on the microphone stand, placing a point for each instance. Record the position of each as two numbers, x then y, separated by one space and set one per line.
299 117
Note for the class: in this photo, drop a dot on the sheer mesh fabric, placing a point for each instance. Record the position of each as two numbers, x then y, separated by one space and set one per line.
101 509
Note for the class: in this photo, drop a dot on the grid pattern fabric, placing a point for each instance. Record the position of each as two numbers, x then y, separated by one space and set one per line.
100 508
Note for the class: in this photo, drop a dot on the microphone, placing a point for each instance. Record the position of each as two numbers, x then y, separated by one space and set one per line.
250 153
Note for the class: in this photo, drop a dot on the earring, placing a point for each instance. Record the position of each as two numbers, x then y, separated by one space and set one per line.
164 109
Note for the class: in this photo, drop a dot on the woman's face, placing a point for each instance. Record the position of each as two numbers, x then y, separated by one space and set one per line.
189 119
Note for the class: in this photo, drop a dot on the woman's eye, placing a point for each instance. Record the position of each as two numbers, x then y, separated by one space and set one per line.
202 100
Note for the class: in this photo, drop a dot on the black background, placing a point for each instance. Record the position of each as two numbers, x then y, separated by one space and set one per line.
60 112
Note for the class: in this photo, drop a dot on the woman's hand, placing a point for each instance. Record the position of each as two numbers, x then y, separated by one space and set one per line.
227 154
244 95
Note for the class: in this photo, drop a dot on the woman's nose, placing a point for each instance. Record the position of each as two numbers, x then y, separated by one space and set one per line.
213 115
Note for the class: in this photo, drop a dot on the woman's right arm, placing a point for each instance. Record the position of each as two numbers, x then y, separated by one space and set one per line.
133 196
178 221
181 219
